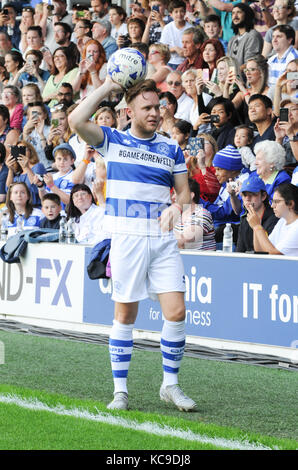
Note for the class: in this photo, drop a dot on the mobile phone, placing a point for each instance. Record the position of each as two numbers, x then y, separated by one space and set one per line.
80 14
90 57
292 76
34 114
163 103
14 150
155 8
201 143
284 114
55 122
232 69
205 75
5 11
199 73
214 118
194 145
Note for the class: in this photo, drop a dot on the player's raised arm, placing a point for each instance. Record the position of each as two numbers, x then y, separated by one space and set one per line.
79 119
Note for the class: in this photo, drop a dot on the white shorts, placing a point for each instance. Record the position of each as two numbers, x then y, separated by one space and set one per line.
143 267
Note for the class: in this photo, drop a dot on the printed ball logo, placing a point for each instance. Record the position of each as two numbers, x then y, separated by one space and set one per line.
127 67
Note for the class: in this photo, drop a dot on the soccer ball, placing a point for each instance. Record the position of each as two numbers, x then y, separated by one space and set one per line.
127 67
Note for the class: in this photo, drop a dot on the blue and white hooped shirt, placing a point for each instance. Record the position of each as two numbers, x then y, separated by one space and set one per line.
63 182
32 221
140 175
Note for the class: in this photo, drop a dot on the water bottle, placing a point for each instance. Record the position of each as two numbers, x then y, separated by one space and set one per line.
20 224
62 230
227 244
70 235
4 227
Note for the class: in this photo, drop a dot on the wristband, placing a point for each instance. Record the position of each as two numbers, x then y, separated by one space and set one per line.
86 161
178 207
258 227
247 93
50 185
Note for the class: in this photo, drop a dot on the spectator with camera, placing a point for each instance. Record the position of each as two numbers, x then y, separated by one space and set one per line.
10 24
156 21
23 164
36 130
31 71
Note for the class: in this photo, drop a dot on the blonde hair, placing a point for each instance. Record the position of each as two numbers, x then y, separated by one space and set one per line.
164 51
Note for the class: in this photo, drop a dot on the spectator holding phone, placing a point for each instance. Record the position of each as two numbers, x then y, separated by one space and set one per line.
212 50
156 21
286 85
286 132
21 213
92 68
222 119
59 132
31 71
200 165
27 166
37 129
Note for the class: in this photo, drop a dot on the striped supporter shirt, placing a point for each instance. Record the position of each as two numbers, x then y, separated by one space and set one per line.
278 65
139 179
202 217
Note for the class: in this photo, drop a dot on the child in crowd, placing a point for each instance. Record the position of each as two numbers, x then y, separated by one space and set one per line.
243 139
173 31
106 116
60 182
181 132
213 29
51 208
21 213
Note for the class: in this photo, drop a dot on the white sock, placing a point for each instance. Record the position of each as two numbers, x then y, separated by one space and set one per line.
172 345
120 347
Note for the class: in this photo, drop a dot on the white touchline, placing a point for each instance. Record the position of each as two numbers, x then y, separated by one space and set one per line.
149 427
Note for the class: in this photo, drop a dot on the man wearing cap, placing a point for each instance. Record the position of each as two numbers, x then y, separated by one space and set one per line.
253 194
228 165
101 32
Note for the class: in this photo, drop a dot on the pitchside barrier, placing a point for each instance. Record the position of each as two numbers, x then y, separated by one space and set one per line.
244 302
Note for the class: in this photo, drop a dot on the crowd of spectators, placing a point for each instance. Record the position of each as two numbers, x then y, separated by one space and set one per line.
228 79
